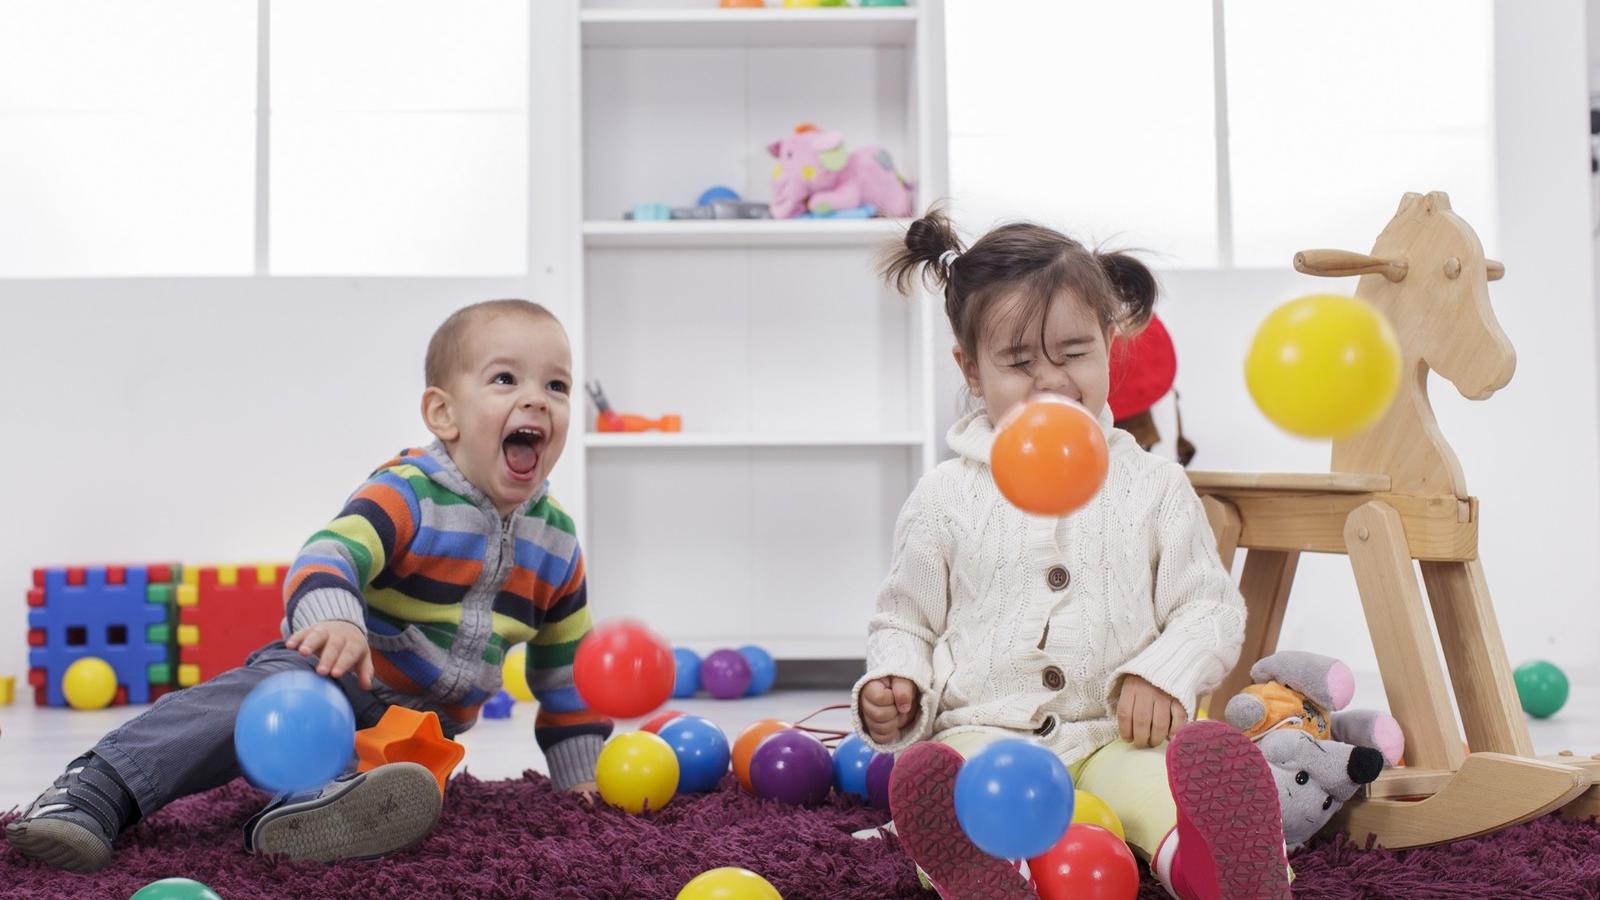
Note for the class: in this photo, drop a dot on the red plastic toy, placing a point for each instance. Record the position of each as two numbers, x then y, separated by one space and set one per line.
611 421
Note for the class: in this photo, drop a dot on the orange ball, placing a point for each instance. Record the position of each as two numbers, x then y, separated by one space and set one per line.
1049 456
745 747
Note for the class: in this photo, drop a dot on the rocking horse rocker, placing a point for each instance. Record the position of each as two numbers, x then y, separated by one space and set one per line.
1395 494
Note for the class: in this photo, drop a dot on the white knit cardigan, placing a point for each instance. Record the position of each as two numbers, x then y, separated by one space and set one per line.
1026 623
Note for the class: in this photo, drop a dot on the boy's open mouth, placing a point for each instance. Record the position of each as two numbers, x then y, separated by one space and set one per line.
521 449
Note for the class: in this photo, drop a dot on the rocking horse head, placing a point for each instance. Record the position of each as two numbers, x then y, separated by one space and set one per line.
1428 276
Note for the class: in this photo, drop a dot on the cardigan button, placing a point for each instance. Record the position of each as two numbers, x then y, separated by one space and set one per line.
1053 679
1046 727
1058 578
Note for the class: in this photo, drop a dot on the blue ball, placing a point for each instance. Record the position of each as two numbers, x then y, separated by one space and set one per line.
850 761
702 752
763 671
712 194
294 732
1014 799
498 706
687 681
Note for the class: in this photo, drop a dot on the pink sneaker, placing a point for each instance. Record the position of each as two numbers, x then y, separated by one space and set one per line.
1230 829
922 799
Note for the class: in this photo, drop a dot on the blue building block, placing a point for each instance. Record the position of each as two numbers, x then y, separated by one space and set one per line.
105 612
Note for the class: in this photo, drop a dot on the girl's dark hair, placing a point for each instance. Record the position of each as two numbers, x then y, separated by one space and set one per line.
1029 260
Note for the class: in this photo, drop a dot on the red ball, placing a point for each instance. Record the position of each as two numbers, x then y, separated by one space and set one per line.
1088 863
655 723
1049 456
623 669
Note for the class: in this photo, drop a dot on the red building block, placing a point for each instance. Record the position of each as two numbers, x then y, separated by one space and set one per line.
225 613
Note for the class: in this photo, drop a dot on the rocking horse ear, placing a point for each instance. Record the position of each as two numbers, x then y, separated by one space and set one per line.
1439 200
1406 202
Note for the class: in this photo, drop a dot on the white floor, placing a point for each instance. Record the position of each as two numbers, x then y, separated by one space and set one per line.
35 743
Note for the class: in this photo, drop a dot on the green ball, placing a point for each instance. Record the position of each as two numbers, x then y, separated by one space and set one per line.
1541 687
175 889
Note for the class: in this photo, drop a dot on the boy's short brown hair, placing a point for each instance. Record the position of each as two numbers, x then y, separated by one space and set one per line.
446 348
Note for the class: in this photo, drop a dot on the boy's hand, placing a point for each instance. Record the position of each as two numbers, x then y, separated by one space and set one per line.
888 705
339 647
588 789
1147 716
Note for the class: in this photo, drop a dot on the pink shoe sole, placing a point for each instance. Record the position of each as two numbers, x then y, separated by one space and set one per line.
1230 828
922 796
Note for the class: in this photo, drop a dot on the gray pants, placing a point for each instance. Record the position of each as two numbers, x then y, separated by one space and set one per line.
184 743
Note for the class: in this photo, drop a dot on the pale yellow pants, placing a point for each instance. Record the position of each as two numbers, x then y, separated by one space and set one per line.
1131 781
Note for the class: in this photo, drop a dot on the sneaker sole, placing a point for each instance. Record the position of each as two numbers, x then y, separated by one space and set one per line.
1228 801
59 843
922 796
389 808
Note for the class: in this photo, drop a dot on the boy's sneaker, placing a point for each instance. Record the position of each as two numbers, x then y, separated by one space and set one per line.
359 816
72 824
1230 829
922 799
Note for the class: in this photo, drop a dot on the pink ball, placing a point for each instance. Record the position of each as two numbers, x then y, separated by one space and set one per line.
725 674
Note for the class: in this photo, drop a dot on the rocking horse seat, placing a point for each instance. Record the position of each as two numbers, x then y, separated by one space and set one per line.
1306 512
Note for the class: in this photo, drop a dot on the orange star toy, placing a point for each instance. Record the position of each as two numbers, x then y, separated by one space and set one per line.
408 735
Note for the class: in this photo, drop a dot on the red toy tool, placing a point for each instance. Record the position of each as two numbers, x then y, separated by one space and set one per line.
611 421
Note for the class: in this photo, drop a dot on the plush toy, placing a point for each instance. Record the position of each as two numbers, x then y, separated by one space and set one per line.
814 173
1319 753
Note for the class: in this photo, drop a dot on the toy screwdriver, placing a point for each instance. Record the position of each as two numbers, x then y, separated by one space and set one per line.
610 421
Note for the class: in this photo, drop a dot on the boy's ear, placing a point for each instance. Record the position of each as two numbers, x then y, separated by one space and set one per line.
969 370
438 415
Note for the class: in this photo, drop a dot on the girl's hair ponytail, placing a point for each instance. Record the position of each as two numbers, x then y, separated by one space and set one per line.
930 242
1135 287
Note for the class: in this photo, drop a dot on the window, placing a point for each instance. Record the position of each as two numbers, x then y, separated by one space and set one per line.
1097 118
398 138
1103 119
1334 113
127 137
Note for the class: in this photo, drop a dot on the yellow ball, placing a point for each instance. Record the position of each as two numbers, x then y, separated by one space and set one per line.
89 683
1324 366
514 675
637 771
729 884
1088 809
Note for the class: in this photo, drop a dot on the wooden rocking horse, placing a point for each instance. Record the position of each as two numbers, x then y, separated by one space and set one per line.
1396 494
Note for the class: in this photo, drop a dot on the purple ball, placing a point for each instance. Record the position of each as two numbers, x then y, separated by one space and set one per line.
791 766
878 780
725 674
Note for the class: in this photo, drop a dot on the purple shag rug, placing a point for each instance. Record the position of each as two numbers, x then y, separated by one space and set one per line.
502 839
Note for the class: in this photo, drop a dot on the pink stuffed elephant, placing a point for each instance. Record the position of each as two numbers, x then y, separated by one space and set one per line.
815 173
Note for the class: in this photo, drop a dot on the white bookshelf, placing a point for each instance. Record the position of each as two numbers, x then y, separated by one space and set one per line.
710 26
744 233
805 385
692 440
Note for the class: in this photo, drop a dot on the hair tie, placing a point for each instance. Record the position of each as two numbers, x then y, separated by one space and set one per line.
947 259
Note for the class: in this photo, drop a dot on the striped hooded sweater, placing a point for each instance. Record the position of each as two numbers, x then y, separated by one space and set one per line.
443 586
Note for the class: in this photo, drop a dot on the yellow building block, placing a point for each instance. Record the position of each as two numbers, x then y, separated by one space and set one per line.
8 689
188 675
188 635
